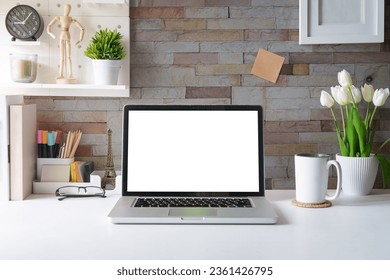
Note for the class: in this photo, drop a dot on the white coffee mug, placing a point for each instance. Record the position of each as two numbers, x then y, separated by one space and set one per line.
311 177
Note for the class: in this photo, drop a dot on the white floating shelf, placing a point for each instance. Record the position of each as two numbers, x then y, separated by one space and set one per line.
106 1
71 90
18 43
25 43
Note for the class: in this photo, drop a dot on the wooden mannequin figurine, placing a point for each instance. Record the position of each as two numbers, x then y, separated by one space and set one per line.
65 48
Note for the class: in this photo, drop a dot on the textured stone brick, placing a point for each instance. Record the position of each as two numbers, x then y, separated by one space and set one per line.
287 92
151 58
206 12
87 105
287 69
311 58
84 151
171 3
225 3
347 48
208 92
197 101
222 69
185 24
312 81
301 69
211 35
248 96
281 138
288 46
235 46
267 35
86 128
153 35
289 149
278 3
70 116
288 115
318 137
150 24
220 80
148 12
164 47
241 23
162 76
287 126
195 58
378 72
361 57
47 116
178 92
293 35
251 81
230 58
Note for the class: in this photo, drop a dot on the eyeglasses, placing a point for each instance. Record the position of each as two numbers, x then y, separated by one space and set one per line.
79 191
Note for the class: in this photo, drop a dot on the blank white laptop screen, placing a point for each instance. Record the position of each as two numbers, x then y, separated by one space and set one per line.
193 151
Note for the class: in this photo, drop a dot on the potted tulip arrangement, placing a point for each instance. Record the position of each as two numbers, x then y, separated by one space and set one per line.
355 134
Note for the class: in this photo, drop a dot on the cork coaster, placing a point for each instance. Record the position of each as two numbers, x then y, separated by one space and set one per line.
324 204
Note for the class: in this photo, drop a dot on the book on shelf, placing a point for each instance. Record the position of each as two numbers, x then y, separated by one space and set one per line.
80 171
23 150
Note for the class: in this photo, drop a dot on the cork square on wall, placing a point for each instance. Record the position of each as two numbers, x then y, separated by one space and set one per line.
267 65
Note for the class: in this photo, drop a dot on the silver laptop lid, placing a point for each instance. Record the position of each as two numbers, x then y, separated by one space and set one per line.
202 150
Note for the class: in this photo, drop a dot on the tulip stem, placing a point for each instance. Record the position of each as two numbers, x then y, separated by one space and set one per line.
384 144
366 119
342 118
372 116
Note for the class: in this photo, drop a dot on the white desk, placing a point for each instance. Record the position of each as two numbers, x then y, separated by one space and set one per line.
42 227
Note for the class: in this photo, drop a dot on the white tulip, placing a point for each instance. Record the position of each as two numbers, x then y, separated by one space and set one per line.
368 92
344 78
356 94
341 95
380 96
326 99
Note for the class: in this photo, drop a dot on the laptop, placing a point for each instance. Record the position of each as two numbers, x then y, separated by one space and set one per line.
201 164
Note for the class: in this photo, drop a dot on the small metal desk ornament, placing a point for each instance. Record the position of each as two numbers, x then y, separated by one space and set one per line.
108 180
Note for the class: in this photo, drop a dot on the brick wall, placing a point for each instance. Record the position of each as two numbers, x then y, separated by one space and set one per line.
202 51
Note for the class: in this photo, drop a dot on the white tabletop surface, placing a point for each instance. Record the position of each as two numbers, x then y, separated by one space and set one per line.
42 227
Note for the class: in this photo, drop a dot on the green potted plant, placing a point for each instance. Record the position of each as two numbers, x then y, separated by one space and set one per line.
106 51
356 134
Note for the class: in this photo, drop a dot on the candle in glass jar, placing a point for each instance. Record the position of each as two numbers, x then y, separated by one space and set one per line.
23 68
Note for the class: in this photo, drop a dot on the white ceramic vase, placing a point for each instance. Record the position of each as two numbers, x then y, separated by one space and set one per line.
106 72
358 174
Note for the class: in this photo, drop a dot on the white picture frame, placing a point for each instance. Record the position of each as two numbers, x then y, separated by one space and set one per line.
341 21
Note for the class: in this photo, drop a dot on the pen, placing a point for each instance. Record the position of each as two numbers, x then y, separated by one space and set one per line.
57 143
50 144
39 140
44 143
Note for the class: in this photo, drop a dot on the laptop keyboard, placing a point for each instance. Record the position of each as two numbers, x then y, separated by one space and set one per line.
194 202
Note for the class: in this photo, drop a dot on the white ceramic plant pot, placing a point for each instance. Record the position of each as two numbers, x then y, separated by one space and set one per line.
106 72
358 174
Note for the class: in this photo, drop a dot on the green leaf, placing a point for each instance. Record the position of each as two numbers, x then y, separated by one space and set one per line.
343 147
360 129
384 162
351 134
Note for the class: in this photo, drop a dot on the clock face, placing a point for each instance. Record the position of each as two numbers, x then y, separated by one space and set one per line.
23 22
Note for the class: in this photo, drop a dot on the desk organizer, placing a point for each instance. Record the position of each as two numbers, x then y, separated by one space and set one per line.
51 187
96 179
51 161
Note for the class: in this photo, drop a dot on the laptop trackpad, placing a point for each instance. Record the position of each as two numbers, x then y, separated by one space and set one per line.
192 212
